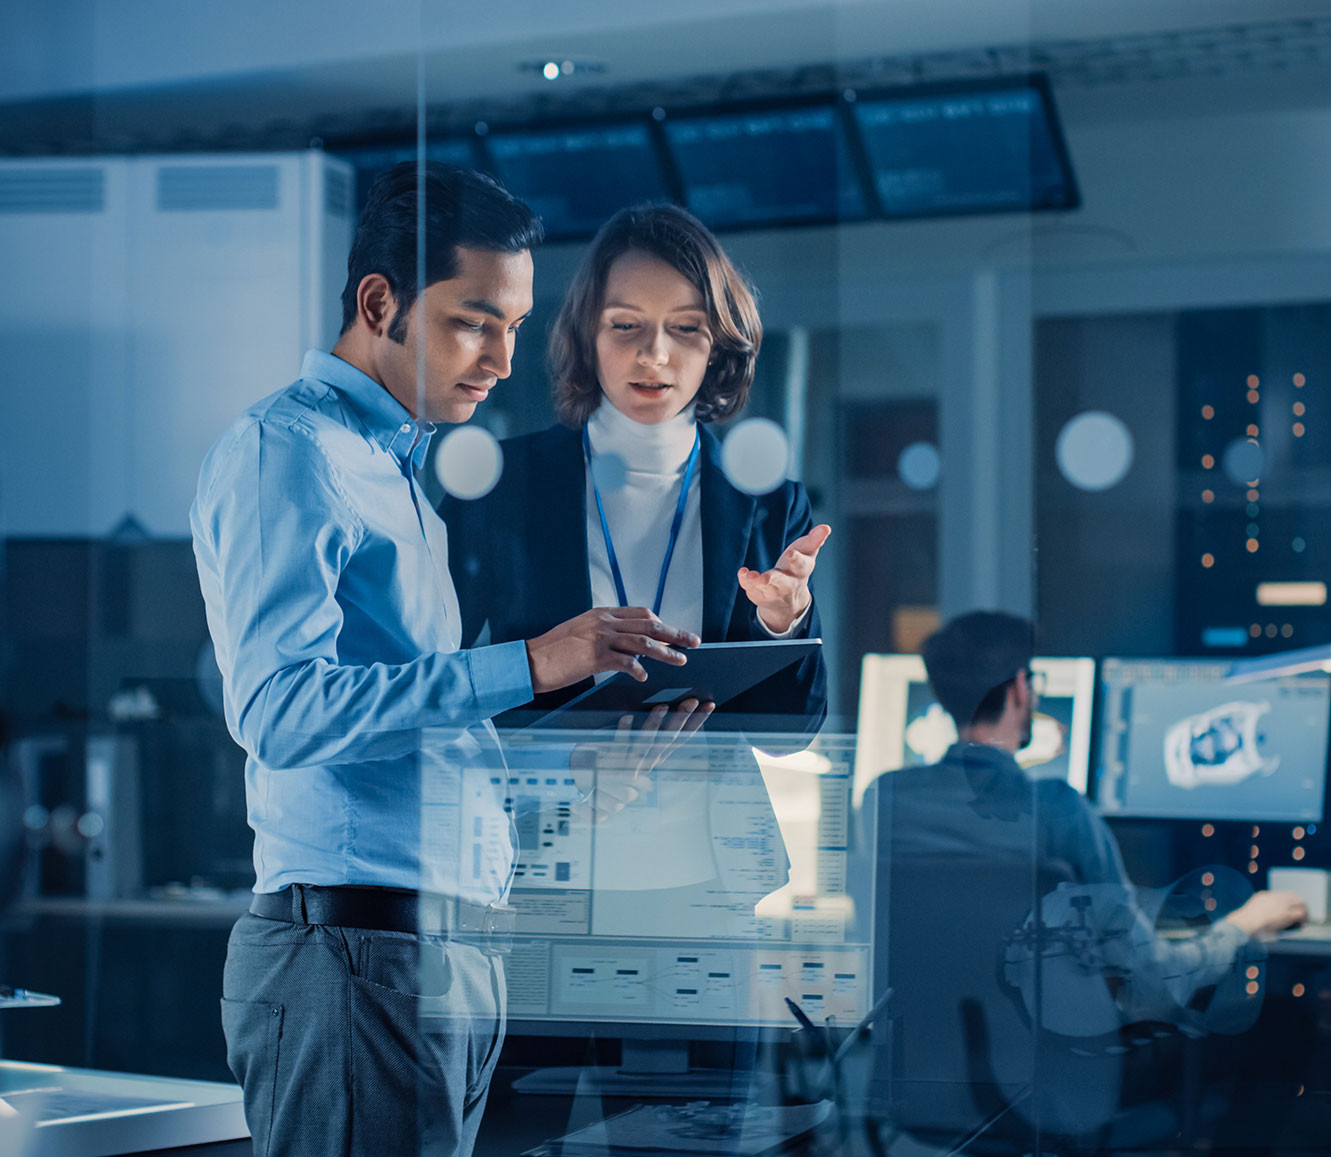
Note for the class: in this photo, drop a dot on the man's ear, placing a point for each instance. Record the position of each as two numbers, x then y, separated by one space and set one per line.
375 304
1018 692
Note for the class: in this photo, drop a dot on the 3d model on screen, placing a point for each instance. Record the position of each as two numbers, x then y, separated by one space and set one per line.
931 734
1218 747
1048 742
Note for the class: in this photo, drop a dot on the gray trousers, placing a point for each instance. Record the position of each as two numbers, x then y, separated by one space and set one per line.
349 1041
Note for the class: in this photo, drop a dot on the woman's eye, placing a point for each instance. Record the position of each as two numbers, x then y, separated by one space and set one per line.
471 326
687 328
622 326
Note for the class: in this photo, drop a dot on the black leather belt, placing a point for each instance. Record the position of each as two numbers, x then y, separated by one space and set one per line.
384 910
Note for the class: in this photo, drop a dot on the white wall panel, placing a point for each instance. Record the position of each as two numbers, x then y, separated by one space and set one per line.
147 327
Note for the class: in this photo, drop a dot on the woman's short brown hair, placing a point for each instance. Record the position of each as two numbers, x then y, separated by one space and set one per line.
678 238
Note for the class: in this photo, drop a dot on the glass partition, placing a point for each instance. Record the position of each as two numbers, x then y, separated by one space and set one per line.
725 580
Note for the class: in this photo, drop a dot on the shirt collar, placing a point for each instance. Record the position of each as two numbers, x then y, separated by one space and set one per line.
981 755
384 417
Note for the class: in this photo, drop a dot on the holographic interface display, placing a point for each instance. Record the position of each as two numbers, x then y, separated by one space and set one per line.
711 898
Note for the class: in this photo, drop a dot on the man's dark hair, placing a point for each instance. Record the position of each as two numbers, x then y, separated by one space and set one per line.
461 208
974 659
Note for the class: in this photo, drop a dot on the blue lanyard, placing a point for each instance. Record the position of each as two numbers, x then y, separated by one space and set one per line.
674 526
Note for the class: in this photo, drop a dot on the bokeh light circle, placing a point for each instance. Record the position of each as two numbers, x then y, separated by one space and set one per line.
1243 461
610 472
469 462
1094 450
920 466
756 456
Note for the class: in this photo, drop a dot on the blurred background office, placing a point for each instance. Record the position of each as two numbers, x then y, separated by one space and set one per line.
1047 295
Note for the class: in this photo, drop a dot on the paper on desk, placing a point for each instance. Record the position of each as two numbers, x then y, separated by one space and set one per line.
664 1129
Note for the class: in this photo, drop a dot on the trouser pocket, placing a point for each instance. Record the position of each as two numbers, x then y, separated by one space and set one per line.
253 1031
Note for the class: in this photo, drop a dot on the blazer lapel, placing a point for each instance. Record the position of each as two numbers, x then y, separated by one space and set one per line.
558 514
727 520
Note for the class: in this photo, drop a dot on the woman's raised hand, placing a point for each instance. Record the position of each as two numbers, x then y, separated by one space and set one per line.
782 593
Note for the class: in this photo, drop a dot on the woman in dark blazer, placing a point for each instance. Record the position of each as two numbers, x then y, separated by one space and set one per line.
657 337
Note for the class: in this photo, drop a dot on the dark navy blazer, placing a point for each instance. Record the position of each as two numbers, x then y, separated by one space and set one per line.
519 561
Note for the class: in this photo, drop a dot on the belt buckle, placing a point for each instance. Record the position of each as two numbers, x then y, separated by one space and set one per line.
500 920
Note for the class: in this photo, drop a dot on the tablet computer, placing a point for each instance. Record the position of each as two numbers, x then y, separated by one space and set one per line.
715 671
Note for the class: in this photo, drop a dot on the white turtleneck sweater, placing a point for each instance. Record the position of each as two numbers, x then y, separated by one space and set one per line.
640 489
651 461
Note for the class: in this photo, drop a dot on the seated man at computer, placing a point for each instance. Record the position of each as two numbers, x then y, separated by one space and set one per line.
981 872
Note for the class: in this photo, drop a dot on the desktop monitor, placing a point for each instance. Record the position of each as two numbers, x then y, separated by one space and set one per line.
902 723
991 146
694 912
575 177
1179 742
766 166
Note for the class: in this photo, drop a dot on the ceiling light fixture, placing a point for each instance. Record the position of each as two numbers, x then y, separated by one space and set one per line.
554 68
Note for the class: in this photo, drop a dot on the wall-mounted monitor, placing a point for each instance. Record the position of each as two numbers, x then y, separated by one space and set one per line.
902 724
766 166
1178 742
574 177
974 147
371 160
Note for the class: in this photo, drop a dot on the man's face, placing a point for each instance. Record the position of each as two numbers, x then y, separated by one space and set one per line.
459 336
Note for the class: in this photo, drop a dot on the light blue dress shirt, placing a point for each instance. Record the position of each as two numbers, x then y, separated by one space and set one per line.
325 577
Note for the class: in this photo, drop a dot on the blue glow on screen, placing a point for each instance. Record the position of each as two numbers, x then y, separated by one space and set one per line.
575 179
964 153
372 160
784 165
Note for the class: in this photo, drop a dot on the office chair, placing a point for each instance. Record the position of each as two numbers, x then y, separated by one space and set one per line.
968 1060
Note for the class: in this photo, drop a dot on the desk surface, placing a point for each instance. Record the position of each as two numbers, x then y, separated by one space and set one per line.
87 1113
1309 940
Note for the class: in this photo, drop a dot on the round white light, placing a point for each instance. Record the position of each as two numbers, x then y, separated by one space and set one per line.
469 463
756 456
920 466
1094 450
550 71
1243 461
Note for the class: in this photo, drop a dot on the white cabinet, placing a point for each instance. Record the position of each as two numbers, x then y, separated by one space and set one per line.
148 301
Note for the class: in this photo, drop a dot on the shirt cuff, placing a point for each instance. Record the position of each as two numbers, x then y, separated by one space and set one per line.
1226 938
500 677
791 631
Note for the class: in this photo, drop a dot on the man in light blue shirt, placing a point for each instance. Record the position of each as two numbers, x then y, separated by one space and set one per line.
363 996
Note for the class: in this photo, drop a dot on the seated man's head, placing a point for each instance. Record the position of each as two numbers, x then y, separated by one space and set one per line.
979 666
435 325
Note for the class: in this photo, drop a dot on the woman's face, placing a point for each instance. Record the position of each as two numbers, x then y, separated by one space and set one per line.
652 339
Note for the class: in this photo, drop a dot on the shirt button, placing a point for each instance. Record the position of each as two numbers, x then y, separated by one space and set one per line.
406 427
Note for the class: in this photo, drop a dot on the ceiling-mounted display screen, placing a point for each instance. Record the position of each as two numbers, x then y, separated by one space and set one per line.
973 148
574 178
371 160
768 166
